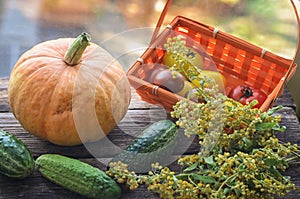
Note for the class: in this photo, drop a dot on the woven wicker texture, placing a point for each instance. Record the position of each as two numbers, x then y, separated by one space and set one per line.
239 61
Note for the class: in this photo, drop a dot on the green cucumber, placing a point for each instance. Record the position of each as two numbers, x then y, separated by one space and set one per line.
16 159
77 176
154 144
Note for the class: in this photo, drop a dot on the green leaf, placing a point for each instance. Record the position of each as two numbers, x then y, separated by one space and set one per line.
275 172
231 181
271 111
287 178
226 190
274 162
270 126
202 82
210 160
237 191
253 103
192 167
274 109
175 180
204 179
279 128
265 126
247 143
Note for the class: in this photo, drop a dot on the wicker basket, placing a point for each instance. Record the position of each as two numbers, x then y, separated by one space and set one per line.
239 61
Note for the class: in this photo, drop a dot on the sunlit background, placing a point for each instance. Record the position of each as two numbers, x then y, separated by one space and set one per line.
124 27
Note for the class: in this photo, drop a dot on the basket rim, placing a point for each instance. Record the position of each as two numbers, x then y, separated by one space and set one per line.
224 36
209 30
293 64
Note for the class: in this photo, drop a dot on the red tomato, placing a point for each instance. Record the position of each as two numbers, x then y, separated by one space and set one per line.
246 94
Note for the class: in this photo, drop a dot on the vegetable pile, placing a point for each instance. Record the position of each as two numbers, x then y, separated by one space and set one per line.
239 154
239 157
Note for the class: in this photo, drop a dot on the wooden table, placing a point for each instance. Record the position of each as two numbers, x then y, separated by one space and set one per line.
139 115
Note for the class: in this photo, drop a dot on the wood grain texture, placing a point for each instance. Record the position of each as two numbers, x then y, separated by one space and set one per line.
138 117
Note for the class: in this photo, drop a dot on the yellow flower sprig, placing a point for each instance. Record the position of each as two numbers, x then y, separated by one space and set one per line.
239 157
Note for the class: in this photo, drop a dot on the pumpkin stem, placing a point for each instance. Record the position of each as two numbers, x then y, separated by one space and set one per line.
75 51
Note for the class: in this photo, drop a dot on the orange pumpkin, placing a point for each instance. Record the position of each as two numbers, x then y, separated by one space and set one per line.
68 91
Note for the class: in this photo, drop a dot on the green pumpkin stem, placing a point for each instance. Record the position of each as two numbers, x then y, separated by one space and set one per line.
75 51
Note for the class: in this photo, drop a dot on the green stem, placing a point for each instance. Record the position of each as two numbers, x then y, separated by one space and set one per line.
224 183
75 51
183 175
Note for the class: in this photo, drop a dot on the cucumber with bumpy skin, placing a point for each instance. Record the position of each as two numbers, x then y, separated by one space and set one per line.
154 144
78 176
16 159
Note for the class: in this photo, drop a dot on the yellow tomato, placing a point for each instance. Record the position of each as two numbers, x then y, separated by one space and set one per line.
195 59
186 88
218 78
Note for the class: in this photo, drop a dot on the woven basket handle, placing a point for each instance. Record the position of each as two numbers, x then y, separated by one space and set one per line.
160 21
168 3
291 69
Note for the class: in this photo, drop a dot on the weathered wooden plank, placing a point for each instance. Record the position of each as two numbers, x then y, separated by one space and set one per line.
285 100
291 122
131 125
4 106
